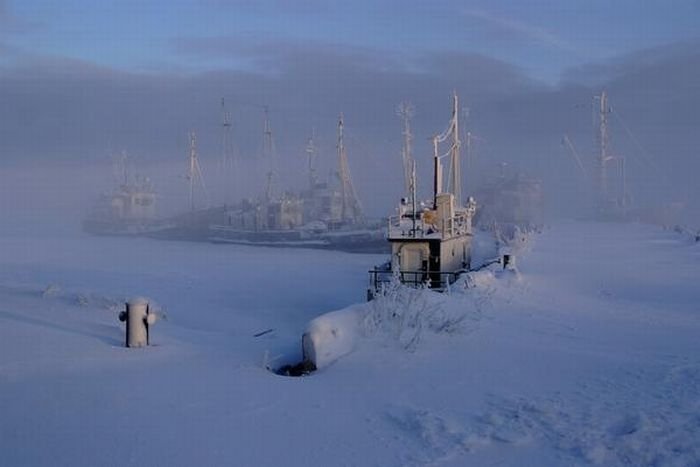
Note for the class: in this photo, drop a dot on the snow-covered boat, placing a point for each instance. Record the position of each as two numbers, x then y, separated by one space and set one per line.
323 216
131 209
431 242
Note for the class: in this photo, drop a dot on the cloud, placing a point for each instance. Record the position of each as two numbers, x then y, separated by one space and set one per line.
275 55
667 55
505 27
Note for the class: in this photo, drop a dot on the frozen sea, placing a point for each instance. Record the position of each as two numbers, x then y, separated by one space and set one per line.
590 357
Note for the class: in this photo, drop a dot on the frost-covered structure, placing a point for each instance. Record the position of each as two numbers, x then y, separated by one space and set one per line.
431 245
130 208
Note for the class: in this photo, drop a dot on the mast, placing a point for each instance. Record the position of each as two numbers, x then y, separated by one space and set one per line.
406 111
124 169
467 143
603 145
350 209
454 179
225 136
455 163
311 154
413 195
268 153
437 171
227 161
194 171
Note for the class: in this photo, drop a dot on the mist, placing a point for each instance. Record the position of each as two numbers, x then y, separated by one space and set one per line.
63 120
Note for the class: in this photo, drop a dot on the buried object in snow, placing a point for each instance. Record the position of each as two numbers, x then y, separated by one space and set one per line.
331 336
139 318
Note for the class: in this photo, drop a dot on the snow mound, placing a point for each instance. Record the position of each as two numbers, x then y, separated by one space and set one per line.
399 314
332 336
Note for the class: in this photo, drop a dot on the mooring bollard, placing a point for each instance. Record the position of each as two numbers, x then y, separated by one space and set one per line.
508 262
138 319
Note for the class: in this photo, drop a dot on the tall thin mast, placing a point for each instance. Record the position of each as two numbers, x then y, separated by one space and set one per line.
195 171
350 209
227 158
311 154
437 171
413 190
193 167
454 181
455 163
469 162
225 136
602 136
268 153
406 111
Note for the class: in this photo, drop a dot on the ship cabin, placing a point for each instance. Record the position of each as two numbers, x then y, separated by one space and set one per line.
133 203
429 247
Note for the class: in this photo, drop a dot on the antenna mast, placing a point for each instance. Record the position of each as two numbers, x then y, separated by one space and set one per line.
351 209
123 169
468 143
603 142
311 154
268 153
454 179
195 171
455 163
406 111
227 161
226 136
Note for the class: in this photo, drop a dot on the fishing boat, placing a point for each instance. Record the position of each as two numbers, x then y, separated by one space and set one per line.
326 215
430 241
130 209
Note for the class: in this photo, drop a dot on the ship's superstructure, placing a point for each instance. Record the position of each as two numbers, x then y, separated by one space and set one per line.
130 208
431 242
325 215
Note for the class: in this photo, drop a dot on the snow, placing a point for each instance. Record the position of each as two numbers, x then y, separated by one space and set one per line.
332 335
591 357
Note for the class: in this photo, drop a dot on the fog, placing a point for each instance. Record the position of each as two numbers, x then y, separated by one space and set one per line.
63 120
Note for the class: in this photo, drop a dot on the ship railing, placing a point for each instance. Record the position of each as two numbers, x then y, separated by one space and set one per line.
399 226
379 278
407 228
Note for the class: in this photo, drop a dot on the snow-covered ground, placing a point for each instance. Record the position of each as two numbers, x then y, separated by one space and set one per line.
591 357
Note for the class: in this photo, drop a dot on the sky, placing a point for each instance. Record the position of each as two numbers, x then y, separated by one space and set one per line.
541 37
81 80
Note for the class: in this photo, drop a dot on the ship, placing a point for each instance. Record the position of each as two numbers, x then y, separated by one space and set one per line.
430 241
130 209
326 215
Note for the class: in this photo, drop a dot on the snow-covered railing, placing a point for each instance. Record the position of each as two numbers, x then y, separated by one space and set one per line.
405 227
436 280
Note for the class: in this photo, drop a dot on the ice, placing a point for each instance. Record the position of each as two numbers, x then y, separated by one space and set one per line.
590 358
